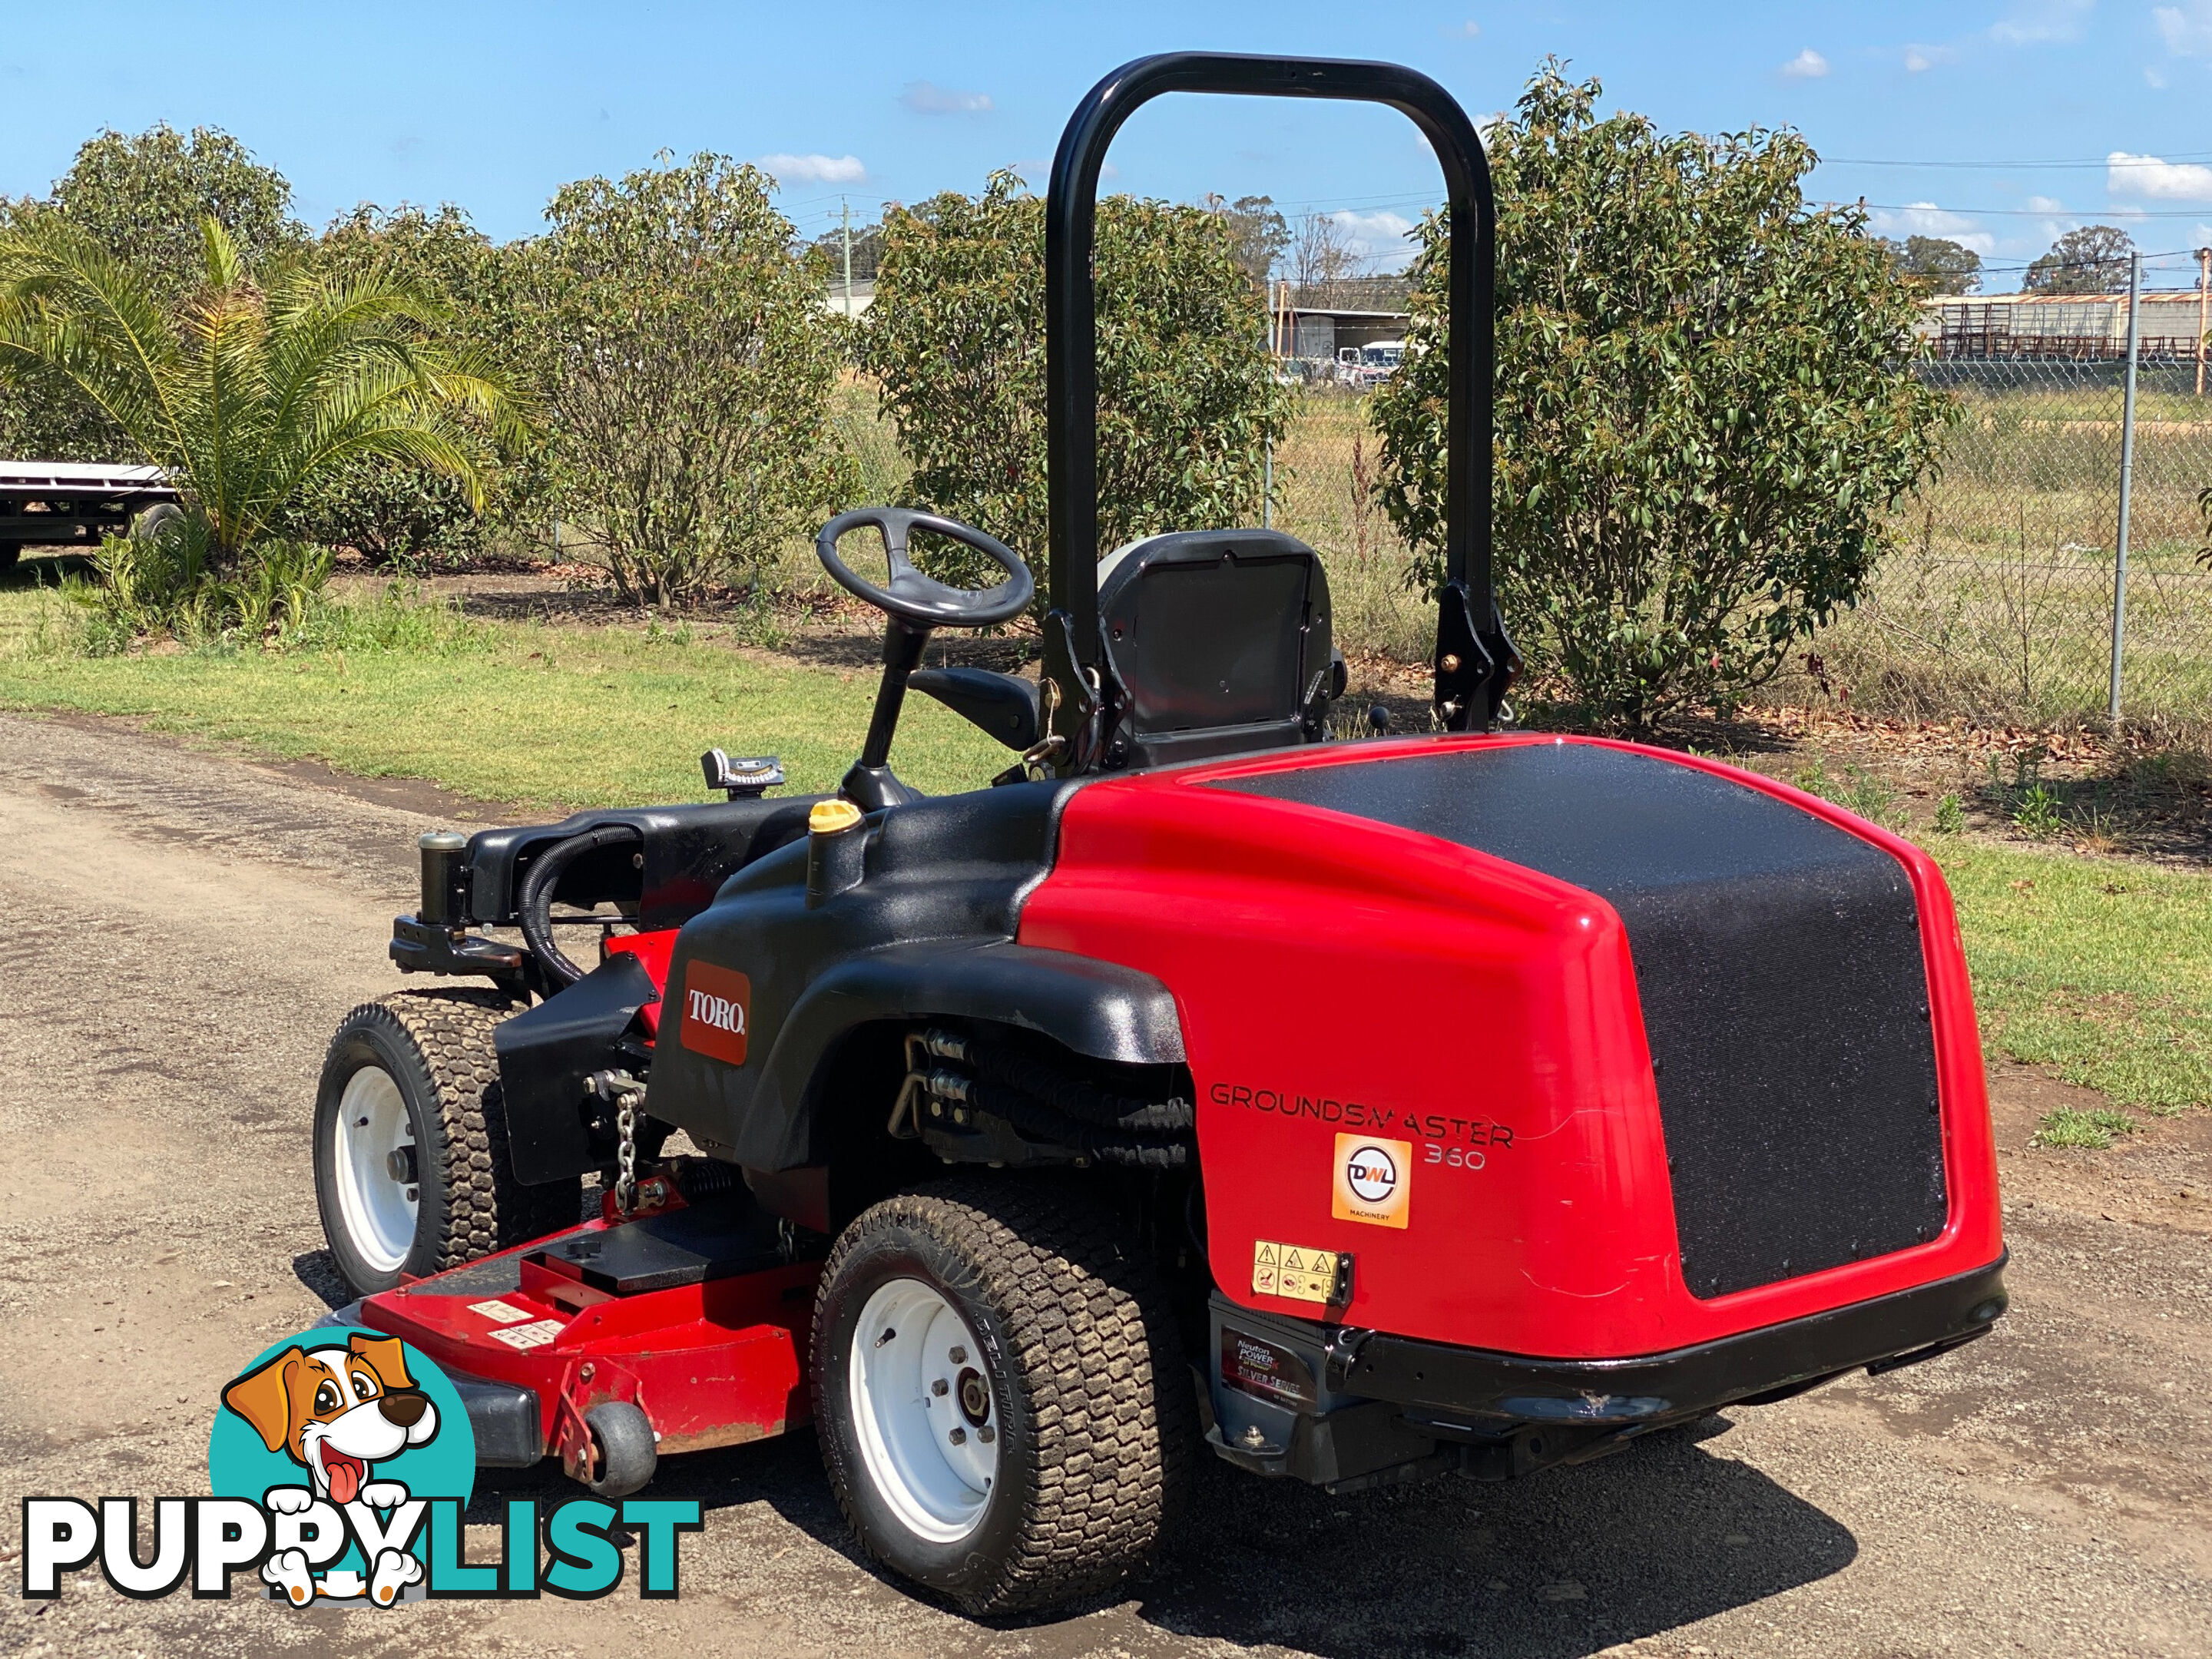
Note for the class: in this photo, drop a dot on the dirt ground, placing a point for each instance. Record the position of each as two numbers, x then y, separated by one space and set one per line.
187 928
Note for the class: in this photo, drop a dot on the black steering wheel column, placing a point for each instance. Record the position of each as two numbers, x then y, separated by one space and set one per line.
916 606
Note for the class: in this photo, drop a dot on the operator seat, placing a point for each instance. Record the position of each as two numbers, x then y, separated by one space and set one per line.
1220 639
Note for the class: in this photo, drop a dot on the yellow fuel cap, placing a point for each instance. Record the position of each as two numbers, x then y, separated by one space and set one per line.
829 818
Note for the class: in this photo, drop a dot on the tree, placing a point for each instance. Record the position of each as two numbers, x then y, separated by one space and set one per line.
388 510
2086 259
1705 408
868 249
687 365
1321 259
1257 233
1935 266
246 394
1187 396
142 199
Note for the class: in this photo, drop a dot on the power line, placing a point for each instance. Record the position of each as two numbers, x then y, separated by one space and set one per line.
2133 160
2035 213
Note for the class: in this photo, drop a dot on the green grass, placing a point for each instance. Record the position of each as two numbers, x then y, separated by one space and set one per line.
542 715
2098 969
2093 1129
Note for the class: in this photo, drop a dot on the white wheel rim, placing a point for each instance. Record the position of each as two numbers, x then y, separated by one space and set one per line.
377 1208
931 1455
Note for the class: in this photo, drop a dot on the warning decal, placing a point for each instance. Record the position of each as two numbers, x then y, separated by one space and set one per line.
530 1336
1300 1274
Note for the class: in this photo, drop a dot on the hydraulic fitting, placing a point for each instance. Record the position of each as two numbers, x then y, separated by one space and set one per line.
444 904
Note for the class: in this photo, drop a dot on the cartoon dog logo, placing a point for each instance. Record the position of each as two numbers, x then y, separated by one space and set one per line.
337 1411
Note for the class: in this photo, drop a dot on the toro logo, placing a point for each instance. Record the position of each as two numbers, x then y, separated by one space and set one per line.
717 1007
1374 1180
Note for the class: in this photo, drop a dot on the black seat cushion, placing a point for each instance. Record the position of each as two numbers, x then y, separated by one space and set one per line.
1220 639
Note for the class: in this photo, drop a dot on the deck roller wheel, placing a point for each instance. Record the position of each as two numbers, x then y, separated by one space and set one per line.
412 1173
625 1449
1002 1407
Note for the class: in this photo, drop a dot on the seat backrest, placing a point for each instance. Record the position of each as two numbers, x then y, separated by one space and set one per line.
1220 639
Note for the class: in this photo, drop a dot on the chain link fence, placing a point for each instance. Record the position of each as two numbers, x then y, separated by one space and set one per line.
1998 606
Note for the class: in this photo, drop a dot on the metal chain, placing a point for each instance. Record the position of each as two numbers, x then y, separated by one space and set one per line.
626 1124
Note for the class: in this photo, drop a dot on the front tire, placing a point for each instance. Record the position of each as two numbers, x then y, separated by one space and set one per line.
412 1174
1001 1401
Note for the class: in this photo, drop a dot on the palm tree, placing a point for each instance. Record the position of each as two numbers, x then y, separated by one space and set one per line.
244 395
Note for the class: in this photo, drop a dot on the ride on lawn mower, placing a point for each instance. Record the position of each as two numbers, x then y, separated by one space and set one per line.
1473 1102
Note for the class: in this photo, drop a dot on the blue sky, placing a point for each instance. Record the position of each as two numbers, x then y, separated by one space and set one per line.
2020 117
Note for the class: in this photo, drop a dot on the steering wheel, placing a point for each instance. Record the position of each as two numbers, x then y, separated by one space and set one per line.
920 601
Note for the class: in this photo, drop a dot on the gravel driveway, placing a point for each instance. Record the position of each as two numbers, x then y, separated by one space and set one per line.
184 929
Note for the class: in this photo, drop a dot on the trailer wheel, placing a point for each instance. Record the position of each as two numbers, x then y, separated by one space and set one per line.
412 1167
1001 1405
155 519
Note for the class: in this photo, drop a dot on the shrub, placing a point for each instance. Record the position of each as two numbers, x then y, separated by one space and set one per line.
142 199
684 359
252 390
396 513
1187 396
1704 404
391 512
168 583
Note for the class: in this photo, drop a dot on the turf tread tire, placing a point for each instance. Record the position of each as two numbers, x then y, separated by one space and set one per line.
1096 1368
487 1210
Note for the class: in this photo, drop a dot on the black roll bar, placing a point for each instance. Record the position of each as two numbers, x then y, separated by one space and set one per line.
1471 654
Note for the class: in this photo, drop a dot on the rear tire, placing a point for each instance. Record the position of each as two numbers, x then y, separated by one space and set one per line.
410 1086
1055 1457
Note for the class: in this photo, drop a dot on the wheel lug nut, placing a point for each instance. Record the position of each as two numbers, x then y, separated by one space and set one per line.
959 1436
958 1356
941 1387
986 1434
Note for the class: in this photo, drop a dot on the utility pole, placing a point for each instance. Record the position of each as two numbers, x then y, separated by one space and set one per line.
2204 292
847 207
2127 486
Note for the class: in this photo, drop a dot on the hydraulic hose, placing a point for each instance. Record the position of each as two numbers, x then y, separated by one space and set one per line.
1077 1096
534 905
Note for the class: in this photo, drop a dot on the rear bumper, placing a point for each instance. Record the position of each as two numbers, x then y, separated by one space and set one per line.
1768 1363
1362 1408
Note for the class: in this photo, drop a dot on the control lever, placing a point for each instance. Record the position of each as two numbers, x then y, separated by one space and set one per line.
746 778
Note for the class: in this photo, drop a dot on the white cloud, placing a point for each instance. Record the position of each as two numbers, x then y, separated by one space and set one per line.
1807 65
927 98
2150 177
2187 28
1380 235
814 169
1916 61
2154 79
1466 30
2044 204
1926 219
2043 22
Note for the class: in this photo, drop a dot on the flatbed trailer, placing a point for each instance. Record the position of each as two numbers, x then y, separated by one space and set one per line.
73 503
